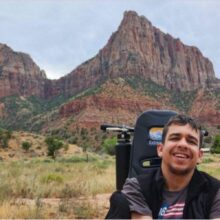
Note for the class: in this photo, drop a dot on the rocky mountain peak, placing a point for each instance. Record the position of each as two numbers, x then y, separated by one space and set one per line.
132 19
127 76
137 48
19 75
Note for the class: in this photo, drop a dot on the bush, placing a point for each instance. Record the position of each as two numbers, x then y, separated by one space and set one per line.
109 145
26 145
52 178
53 145
5 135
208 140
73 140
207 160
216 145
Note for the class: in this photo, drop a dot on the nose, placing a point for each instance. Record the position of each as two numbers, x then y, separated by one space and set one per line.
182 143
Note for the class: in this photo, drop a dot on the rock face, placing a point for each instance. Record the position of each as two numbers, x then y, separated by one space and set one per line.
206 107
158 56
19 75
117 103
120 104
138 48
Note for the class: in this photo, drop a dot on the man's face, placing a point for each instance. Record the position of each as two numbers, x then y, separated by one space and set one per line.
180 152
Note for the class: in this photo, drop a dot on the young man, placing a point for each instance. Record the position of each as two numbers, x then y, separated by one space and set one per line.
177 190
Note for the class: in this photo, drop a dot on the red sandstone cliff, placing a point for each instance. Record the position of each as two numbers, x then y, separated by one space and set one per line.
138 48
206 107
118 103
19 75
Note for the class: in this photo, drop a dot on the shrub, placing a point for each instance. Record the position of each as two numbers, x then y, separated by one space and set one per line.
84 210
5 135
208 140
207 160
52 178
53 145
26 145
84 132
73 140
109 145
66 147
216 145
85 146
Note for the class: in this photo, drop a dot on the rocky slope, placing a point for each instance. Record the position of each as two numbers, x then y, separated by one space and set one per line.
19 75
206 107
116 103
138 48
140 68
119 103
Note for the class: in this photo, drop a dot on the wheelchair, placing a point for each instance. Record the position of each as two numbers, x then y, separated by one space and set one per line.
134 156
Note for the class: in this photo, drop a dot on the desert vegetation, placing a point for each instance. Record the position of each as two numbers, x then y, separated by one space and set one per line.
68 187
48 178
216 144
62 188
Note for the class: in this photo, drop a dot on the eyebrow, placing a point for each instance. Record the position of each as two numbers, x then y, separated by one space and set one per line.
194 138
174 134
179 134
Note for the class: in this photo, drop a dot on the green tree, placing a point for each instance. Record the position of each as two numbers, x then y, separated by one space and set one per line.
26 145
208 140
216 145
5 135
53 145
109 145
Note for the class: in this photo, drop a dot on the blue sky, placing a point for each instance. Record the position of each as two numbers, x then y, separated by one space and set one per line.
61 34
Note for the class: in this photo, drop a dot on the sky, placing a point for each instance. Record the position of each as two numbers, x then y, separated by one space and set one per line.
59 35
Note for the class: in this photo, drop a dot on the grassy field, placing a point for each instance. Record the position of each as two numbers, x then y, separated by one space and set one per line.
65 188
210 164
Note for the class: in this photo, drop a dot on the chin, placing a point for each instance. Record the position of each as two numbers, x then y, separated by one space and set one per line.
180 171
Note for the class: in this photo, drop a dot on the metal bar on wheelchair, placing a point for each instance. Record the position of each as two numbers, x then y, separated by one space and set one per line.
116 128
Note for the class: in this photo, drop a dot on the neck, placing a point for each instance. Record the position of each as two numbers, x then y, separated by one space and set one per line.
176 182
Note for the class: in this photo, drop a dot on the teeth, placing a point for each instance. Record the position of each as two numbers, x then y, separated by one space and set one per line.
181 155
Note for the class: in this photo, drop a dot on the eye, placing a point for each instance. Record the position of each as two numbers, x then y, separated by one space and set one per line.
193 142
174 138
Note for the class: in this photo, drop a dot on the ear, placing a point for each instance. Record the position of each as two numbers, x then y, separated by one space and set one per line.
159 150
199 160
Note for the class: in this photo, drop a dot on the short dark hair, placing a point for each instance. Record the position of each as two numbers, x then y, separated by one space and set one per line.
183 120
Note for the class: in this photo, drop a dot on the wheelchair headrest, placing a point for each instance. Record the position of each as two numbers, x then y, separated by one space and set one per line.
147 134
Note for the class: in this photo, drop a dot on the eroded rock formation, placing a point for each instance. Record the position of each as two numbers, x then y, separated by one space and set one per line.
19 75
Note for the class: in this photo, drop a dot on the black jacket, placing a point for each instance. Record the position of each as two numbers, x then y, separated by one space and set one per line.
201 192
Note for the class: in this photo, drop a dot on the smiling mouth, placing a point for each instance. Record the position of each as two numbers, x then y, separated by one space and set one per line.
181 155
